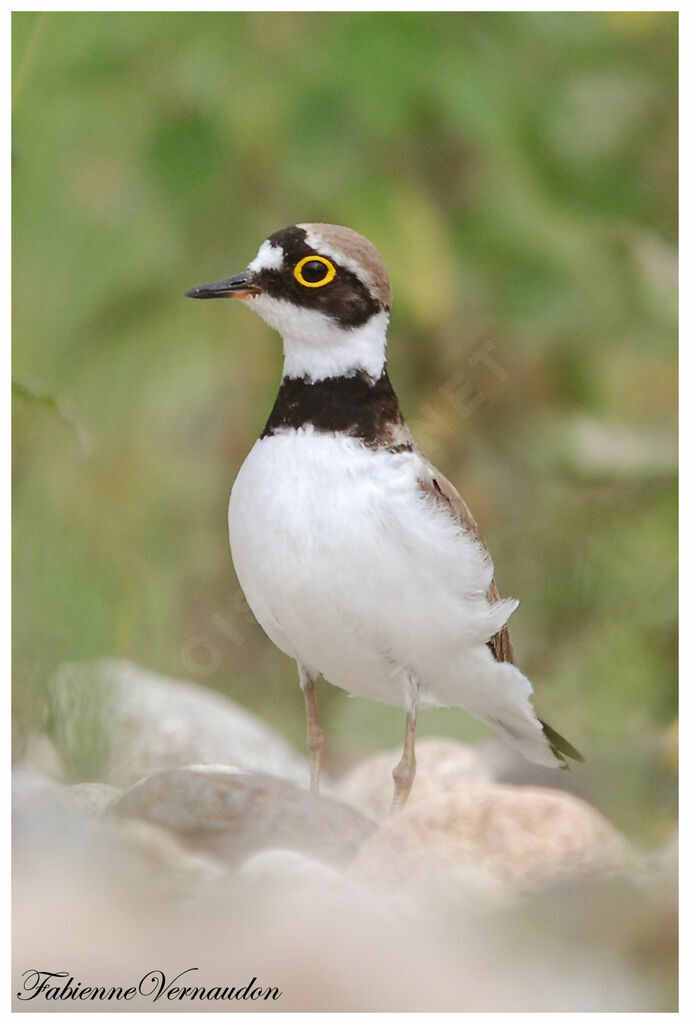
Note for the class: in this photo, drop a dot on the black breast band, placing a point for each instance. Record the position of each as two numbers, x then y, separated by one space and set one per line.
352 405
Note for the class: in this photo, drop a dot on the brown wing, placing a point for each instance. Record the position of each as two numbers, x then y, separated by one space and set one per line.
440 488
435 484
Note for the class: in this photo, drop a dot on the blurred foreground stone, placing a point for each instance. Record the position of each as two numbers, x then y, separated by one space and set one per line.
121 722
233 814
57 828
511 839
192 850
522 838
207 885
94 797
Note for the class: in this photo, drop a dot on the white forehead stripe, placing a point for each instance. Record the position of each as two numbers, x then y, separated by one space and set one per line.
314 239
269 257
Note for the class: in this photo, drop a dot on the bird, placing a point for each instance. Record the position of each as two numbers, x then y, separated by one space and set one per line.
358 558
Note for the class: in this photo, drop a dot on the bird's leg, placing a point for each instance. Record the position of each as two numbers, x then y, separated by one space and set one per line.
404 771
316 738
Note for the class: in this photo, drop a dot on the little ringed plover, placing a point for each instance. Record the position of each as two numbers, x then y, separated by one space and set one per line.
358 558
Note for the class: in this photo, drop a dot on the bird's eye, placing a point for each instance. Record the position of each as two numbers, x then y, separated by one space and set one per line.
314 271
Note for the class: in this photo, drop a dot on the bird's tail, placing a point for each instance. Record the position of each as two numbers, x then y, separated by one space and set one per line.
560 746
514 718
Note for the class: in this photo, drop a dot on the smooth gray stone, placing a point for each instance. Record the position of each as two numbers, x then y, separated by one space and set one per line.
138 722
234 814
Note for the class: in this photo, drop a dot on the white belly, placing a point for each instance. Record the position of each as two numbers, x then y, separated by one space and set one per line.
351 570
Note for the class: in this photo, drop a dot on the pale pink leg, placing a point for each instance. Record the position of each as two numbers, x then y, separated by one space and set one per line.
316 738
404 771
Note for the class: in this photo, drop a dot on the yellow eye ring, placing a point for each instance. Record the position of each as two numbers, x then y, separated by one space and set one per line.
326 279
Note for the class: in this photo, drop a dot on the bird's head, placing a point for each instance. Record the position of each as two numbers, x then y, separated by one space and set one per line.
326 290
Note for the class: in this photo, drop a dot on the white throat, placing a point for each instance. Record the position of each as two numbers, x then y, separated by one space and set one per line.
317 347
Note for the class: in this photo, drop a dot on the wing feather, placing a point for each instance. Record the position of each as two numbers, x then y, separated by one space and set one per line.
443 491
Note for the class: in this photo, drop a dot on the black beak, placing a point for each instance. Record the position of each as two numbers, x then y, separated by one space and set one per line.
239 287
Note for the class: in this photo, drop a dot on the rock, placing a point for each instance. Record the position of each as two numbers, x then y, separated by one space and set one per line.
232 814
176 870
66 831
40 755
288 866
97 897
281 871
94 797
30 786
442 765
523 837
121 722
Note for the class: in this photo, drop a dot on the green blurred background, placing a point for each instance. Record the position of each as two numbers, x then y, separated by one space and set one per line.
518 173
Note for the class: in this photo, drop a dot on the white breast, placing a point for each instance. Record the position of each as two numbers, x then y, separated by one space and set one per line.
352 570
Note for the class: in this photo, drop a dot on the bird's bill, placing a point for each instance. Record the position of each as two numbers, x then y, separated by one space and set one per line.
241 286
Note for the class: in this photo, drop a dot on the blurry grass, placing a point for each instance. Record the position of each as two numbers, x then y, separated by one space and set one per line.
55 406
517 171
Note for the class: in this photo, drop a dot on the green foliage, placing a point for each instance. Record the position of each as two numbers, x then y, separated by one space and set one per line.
518 173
